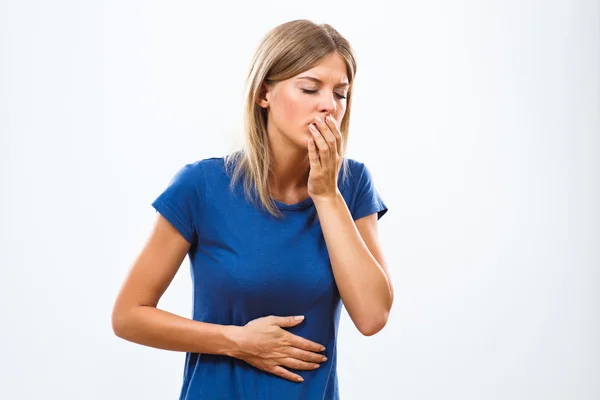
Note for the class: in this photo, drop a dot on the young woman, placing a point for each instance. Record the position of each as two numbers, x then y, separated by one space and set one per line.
279 234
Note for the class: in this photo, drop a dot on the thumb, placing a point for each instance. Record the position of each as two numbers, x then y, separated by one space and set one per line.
287 322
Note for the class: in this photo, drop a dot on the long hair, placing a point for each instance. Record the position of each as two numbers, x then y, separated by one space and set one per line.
286 51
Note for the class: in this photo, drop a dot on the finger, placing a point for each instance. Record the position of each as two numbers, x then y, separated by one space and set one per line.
286 322
304 355
304 344
336 132
298 364
328 135
284 373
320 141
313 156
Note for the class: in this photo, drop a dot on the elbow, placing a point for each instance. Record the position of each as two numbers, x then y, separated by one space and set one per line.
120 323
374 322
373 325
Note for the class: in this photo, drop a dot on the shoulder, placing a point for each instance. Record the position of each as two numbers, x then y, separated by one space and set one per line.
192 175
360 192
358 179
205 163
355 170
198 169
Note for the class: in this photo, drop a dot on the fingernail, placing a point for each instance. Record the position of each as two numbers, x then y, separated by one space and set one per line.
322 348
299 317
319 120
299 379
324 359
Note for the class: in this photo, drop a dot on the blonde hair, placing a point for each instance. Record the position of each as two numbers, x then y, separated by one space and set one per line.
286 51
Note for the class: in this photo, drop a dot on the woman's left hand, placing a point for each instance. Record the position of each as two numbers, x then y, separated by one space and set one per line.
325 155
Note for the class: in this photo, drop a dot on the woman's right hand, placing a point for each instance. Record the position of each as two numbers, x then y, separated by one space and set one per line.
263 344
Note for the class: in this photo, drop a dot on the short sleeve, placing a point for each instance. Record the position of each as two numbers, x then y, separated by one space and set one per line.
181 202
368 200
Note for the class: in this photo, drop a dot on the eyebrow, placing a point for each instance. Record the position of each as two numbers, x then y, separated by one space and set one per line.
311 78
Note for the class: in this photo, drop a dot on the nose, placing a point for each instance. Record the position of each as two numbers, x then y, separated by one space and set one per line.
327 105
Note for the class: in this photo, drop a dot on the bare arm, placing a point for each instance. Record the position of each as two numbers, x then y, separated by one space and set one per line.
135 315
262 343
357 263
356 258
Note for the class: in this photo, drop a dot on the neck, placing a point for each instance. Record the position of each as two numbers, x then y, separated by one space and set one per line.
290 166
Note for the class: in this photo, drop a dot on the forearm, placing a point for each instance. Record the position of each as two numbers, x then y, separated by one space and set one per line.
363 284
157 328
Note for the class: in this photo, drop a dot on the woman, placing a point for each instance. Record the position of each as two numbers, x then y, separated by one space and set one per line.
278 235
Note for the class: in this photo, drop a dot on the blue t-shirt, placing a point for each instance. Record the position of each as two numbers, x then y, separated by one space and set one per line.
247 264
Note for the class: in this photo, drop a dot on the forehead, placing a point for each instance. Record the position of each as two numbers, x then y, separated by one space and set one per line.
331 69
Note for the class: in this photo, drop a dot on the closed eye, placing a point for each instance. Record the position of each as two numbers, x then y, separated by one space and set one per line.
315 91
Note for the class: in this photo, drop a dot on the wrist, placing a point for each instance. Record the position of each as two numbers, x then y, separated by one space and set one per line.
232 339
328 199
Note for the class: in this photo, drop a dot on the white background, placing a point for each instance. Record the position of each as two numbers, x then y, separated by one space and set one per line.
480 124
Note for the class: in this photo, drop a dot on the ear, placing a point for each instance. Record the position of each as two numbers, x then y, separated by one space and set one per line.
265 94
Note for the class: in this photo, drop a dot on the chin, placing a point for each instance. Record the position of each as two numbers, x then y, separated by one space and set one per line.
307 135
300 139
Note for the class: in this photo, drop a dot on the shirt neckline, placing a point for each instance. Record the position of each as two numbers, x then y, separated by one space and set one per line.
302 205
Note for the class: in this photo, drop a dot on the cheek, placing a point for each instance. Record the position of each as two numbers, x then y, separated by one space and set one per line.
339 115
291 109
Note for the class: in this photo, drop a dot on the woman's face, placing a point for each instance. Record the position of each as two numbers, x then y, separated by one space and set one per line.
294 103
